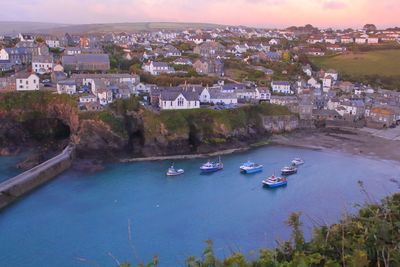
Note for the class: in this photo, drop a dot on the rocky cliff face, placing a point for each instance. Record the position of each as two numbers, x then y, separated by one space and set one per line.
52 119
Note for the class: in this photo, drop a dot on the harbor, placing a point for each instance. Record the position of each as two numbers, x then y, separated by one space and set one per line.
171 217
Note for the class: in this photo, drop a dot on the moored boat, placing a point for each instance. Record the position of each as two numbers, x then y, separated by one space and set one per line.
297 161
210 166
174 172
251 167
288 170
274 181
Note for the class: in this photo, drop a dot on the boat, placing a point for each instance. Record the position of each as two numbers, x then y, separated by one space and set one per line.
210 166
297 161
274 181
288 170
251 167
174 172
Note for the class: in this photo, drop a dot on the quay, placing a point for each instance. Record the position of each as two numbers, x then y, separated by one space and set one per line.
16 187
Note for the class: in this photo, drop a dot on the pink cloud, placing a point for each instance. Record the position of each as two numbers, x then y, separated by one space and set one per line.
334 5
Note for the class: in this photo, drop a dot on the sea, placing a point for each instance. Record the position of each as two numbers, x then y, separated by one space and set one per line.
130 212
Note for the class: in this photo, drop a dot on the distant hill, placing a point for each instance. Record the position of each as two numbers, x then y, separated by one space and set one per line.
21 26
9 27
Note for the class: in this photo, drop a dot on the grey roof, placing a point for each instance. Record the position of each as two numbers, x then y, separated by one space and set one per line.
216 93
67 82
86 58
42 59
171 93
105 75
159 64
281 83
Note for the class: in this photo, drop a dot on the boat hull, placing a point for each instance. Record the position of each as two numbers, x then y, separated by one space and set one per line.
254 170
275 185
209 170
288 172
179 172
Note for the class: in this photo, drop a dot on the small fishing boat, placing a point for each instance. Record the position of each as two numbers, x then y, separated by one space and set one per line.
297 161
274 181
251 167
174 172
288 170
210 166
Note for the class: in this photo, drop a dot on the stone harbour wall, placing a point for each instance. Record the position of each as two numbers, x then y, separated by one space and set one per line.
16 187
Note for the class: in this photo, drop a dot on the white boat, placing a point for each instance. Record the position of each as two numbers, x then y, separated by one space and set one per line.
288 170
274 181
251 167
174 172
212 166
297 161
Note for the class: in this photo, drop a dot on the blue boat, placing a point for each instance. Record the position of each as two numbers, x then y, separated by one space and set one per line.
212 166
274 181
251 167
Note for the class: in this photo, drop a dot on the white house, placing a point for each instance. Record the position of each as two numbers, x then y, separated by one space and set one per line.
332 73
360 40
156 68
66 87
105 96
178 99
282 87
205 96
241 48
264 94
313 83
327 83
87 99
26 81
307 70
219 97
42 64
53 42
273 42
331 40
247 94
372 39
144 88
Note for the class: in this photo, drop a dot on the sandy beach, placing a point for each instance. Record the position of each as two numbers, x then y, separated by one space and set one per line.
363 142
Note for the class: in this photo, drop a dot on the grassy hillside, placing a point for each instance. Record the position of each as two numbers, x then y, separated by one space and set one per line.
380 68
385 63
20 26
131 27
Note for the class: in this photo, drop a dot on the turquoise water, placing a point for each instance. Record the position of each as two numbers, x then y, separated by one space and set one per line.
8 167
79 218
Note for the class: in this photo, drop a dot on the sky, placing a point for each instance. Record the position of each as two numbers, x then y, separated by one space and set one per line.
264 13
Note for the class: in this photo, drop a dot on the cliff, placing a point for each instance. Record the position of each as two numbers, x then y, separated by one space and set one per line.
47 120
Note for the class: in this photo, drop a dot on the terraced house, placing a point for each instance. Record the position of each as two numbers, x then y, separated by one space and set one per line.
86 62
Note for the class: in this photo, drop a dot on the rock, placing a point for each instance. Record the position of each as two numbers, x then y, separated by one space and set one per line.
31 161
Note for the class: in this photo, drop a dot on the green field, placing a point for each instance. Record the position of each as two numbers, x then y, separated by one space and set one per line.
382 63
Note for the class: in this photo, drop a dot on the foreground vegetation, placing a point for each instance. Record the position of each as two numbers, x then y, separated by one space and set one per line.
369 238
380 67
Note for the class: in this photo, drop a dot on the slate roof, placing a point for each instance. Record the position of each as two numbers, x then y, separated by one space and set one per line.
86 58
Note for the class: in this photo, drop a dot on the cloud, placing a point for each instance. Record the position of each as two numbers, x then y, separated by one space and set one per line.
334 5
273 13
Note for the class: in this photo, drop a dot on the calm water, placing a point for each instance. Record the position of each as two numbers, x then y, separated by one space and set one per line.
8 167
77 219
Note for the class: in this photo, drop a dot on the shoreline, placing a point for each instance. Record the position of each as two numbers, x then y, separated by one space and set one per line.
351 141
187 156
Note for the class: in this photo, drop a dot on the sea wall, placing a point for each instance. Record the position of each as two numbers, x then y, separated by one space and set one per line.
15 187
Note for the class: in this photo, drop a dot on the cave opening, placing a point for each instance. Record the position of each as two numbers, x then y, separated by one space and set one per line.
47 129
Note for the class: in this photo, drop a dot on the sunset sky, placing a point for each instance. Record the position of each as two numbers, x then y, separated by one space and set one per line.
269 13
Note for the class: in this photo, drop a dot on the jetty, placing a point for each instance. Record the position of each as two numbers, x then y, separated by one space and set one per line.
16 187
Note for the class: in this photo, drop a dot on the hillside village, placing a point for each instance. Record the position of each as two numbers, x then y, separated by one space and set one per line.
221 68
